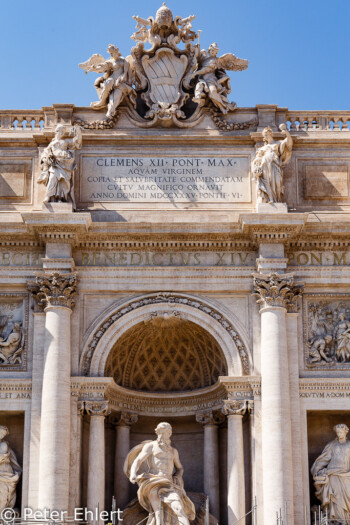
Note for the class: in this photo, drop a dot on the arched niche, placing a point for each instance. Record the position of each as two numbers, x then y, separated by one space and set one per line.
114 323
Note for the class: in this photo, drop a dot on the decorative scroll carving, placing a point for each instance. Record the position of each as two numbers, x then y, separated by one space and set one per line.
10 472
327 338
167 297
268 164
124 419
57 165
55 289
225 125
237 407
80 408
165 84
276 289
210 418
97 408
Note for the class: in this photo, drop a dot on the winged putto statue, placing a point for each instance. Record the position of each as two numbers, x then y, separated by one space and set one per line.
212 80
169 83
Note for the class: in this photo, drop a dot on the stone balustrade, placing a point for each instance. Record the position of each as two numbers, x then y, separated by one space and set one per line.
22 120
297 121
318 120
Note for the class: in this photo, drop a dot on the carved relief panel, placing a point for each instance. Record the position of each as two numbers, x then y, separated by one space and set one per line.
327 332
13 331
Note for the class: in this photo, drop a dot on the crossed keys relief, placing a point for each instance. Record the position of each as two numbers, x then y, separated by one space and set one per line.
164 84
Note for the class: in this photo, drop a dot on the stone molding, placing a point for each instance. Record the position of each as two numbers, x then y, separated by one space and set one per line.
276 290
237 407
165 405
238 388
210 418
54 289
159 299
97 408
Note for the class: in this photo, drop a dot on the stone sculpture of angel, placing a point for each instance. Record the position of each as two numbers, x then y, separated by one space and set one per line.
268 164
58 165
212 80
115 82
10 472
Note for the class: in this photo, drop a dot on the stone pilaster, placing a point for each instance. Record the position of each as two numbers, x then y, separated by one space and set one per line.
122 447
275 294
97 410
235 410
54 292
77 414
210 420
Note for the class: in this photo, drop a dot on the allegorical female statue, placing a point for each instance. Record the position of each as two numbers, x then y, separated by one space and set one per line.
267 166
155 466
331 473
58 165
10 472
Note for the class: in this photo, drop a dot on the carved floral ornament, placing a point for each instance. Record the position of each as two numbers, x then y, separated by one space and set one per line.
54 289
276 290
159 299
165 84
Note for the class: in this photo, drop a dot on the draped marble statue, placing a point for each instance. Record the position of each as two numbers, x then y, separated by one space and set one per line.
58 165
268 164
156 467
10 472
331 474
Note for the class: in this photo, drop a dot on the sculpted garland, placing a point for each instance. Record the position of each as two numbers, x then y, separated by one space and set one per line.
165 84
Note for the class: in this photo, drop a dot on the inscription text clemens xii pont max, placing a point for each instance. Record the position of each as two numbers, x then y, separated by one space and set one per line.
165 179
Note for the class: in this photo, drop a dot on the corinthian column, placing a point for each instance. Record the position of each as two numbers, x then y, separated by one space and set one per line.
235 410
211 420
275 293
55 293
122 448
97 410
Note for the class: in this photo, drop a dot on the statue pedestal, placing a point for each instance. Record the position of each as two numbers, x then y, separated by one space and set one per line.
274 207
58 207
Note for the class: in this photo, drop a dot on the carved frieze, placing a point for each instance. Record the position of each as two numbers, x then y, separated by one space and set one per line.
13 331
55 289
276 290
327 332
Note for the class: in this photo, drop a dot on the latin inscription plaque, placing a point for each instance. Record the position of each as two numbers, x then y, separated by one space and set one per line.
166 179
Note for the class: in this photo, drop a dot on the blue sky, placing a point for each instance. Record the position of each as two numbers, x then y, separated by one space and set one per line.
298 50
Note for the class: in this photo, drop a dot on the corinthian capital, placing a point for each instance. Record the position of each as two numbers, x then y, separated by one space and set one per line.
97 408
276 289
233 407
209 418
54 289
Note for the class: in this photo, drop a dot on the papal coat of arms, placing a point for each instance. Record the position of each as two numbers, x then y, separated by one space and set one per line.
165 84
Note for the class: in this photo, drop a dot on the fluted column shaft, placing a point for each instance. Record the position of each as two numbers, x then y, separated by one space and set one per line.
211 480
55 293
276 293
122 448
96 463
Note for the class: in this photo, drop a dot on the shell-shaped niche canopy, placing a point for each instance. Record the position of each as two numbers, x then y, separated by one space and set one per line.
166 354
